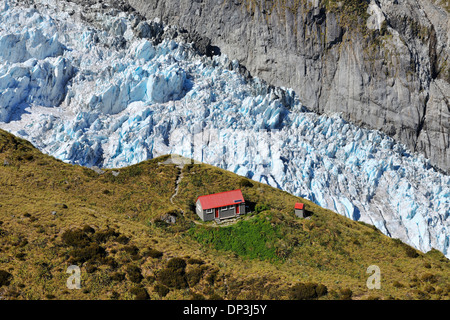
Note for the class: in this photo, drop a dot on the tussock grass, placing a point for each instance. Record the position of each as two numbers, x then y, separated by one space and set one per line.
54 214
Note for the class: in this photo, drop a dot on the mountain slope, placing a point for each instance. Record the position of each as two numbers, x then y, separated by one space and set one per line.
98 86
125 249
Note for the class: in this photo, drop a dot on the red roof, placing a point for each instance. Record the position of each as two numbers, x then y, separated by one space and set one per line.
299 206
221 199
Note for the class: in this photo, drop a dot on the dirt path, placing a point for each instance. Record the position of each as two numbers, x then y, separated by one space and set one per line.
177 186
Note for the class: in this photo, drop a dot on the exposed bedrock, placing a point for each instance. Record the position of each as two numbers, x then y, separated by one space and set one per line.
383 64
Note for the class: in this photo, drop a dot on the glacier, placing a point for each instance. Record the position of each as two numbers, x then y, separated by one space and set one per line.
99 94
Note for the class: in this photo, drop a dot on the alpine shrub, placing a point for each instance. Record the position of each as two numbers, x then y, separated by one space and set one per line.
321 290
153 253
176 264
87 229
91 252
103 236
118 276
134 273
245 183
122 239
161 289
411 252
345 294
174 275
133 251
140 293
194 276
260 207
5 278
303 291
195 261
75 238
172 279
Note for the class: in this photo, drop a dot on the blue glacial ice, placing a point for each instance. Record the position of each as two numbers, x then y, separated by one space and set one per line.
68 89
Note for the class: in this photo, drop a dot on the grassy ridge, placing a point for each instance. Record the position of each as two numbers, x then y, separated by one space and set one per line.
54 214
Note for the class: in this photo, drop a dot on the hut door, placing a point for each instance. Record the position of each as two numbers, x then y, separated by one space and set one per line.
217 213
237 209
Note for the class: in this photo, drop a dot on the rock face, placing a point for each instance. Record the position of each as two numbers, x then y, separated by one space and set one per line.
383 64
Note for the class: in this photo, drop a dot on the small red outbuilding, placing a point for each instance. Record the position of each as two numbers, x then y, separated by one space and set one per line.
299 209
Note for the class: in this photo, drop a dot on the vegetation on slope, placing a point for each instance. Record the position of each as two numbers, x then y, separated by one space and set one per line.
255 238
113 226
352 14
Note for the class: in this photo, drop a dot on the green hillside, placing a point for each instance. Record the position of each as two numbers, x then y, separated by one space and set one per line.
113 226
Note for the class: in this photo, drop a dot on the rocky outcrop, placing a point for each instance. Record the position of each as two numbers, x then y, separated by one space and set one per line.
383 64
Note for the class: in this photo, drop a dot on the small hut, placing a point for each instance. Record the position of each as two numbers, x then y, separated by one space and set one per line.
300 210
